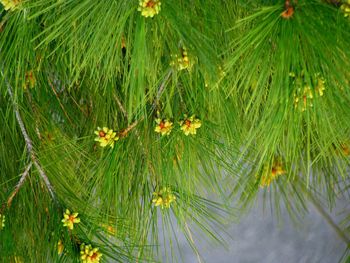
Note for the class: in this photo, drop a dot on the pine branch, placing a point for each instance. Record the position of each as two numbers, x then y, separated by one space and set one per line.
125 132
27 139
19 184
131 126
144 153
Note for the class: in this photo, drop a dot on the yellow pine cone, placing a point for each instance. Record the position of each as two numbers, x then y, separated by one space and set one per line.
88 254
269 176
111 230
345 150
190 125
164 126
149 8
69 219
163 198
106 137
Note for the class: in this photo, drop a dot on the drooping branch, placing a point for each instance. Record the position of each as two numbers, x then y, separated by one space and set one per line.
144 153
156 101
27 139
19 184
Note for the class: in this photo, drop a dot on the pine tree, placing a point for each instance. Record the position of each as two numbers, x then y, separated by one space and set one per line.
123 118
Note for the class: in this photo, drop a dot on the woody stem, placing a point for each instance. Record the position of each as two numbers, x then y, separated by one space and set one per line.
19 184
27 139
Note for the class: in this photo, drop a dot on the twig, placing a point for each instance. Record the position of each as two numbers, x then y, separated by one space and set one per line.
27 139
325 215
129 128
120 105
122 109
19 184
159 94
45 178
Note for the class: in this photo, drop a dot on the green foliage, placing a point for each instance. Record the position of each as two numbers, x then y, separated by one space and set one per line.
272 94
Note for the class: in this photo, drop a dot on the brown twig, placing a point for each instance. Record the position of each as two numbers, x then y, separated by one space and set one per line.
131 126
125 132
19 184
122 109
27 139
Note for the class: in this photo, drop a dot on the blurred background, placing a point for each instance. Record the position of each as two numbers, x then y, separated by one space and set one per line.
261 237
